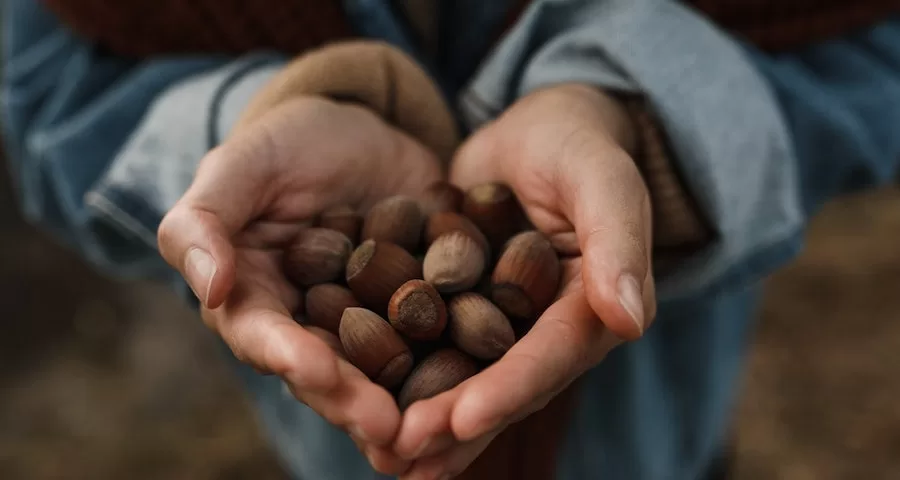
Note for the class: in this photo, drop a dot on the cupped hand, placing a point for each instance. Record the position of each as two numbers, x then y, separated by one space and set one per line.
565 152
249 197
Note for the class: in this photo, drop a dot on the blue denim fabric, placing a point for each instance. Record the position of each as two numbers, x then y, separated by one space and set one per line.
90 141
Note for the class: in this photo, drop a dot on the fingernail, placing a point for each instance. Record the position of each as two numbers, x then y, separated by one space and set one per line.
631 299
370 457
358 433
200 268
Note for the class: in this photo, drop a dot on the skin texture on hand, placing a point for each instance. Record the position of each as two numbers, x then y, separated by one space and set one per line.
565 153
249 197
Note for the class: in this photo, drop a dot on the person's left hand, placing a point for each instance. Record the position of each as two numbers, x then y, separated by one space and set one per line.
565 153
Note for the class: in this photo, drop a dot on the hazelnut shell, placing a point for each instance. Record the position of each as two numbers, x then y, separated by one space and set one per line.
442 223
374 347
344 219
396 219
437 373
376 270
453 263
417 311
526 278
478 327
316 255
494 209
325 304
441 197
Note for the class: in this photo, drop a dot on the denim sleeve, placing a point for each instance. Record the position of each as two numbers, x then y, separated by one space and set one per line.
100 146
728 137
841 100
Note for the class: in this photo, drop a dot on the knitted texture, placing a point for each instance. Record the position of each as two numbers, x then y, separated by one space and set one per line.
775 25
139 28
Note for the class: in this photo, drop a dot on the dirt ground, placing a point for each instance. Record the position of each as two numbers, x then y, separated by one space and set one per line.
104 380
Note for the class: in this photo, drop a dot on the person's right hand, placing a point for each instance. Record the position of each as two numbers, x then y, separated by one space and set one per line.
250 196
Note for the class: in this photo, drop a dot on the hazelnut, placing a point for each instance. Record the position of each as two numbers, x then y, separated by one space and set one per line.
494 209
374 347
396 219
445 222
478 327
454 263
343 219
417 310
441 197
526 278
325 304
316 255
439 372
376 270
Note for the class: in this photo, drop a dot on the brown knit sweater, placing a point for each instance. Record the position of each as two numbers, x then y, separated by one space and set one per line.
147 27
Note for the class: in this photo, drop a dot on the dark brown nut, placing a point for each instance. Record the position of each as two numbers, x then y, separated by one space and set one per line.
441 197
375 347
325 304
417 310
343 219
377 269
454 263
396 219
526 278
439 372
478 327
494 209
316 255
443 223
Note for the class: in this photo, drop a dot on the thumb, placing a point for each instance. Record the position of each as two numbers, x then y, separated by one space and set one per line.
195 237
607 202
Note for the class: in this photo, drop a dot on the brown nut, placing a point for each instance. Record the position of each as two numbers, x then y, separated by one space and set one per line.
441 197
417 310
325 304
439 372
454 263
343 219
478 327
316 255
442 223
526 278
375 347
494 209
377 269
396 219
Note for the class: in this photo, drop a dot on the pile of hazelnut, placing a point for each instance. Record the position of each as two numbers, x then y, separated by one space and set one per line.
425 292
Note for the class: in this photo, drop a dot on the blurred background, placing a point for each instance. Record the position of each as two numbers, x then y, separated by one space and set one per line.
104 380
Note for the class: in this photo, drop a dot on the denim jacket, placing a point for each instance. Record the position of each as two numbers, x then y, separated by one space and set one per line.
101 147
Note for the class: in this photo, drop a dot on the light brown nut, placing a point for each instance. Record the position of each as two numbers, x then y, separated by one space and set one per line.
316 255
374 347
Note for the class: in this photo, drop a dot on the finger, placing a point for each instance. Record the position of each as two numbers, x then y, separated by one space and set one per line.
451 462
426 430
263 235
567 340
476 161
603 194
381 459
